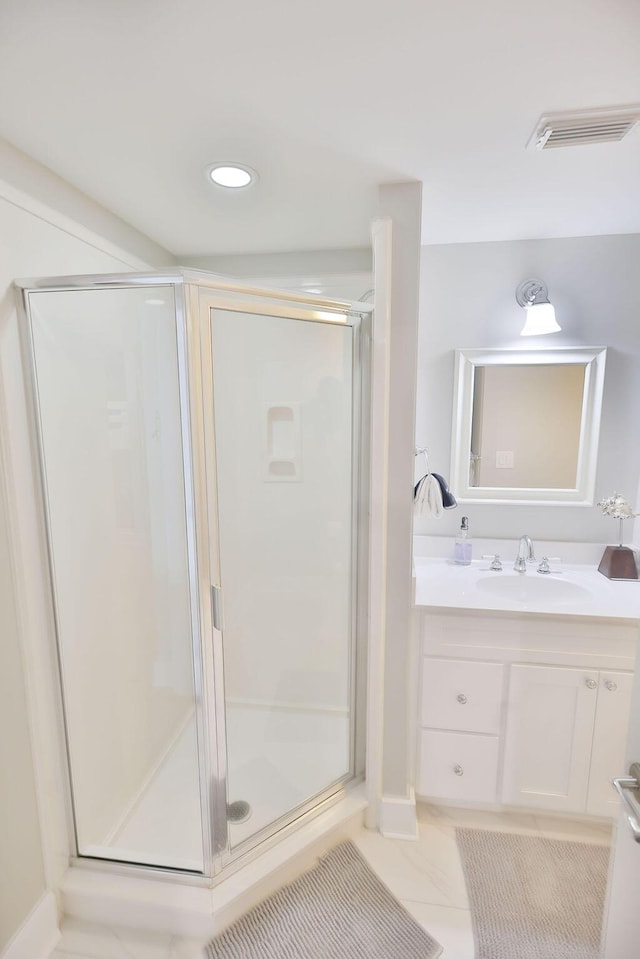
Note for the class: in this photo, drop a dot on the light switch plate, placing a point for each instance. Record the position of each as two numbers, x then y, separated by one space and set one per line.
504 459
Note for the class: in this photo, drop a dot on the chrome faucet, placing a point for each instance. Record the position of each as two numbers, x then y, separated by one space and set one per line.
525 555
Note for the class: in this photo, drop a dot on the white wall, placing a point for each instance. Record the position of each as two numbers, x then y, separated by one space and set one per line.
402 204
31 186
22 874
46 228
282 394
303 265
467 301
338 274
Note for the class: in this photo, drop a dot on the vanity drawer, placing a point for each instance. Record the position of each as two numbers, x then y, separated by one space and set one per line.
461 695
457 766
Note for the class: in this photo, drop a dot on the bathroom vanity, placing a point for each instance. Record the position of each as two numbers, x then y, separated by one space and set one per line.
525 686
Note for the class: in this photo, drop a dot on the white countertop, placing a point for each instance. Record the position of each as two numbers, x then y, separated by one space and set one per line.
569 590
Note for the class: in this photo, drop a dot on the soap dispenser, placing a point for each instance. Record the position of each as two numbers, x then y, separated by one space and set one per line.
462 550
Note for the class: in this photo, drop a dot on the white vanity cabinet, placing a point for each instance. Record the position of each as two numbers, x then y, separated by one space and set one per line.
566 733
523 710
461 707
610 732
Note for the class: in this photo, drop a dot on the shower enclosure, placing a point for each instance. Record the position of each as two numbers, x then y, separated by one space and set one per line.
201 468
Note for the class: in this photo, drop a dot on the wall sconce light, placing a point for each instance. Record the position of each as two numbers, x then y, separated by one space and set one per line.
533 296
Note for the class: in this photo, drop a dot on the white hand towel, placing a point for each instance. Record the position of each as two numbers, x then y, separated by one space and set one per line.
428 501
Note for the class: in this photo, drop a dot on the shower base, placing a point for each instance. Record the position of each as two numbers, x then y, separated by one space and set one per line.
183 908
277 760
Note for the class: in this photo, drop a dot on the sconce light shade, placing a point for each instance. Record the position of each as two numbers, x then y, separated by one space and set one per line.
541 318
533 296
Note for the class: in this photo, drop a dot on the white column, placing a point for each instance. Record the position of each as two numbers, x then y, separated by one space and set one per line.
400 203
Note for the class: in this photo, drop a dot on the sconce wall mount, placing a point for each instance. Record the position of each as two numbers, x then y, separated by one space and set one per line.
533 296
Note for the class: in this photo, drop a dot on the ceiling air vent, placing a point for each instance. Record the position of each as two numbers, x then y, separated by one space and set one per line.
582 127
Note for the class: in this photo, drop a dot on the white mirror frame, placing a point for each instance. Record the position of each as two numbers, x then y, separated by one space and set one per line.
593 358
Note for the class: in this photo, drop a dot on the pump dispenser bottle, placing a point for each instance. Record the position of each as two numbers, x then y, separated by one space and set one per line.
462 549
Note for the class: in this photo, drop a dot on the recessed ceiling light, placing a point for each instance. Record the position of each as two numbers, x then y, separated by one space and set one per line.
233 176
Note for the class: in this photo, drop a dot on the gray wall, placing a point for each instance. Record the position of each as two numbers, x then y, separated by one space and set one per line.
467 301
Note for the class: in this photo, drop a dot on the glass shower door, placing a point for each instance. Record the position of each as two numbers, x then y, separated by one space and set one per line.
284 439
106 371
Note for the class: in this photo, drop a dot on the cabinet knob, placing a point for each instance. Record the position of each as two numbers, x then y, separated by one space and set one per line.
458 770
610 685
461 698
591 683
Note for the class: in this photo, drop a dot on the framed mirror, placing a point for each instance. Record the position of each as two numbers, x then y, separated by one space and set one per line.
526 425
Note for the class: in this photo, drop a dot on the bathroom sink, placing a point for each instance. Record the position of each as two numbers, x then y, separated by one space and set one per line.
532 588
571 589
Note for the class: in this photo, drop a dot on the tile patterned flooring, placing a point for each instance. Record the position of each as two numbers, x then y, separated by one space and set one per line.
425 875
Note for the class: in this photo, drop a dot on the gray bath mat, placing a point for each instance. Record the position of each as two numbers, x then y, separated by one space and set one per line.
534 898
337 910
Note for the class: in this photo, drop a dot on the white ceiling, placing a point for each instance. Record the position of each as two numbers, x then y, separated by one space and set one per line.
129 100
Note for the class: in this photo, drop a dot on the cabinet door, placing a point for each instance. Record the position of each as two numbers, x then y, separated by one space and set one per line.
609 741
550 722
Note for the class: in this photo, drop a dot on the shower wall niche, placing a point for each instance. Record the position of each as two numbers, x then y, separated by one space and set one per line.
201 469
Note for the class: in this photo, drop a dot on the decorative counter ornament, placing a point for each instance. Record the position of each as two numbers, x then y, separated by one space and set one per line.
619 562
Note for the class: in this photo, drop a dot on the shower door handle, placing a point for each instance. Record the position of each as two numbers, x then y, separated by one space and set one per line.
216 607
628 789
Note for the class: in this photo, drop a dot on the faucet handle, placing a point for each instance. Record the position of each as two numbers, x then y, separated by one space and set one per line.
544 565
496 565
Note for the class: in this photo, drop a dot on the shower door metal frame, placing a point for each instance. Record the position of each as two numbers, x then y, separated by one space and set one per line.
301 309
194 292
204 729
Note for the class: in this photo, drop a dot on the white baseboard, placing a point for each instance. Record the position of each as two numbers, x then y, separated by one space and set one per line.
398 818
39 933
161 905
